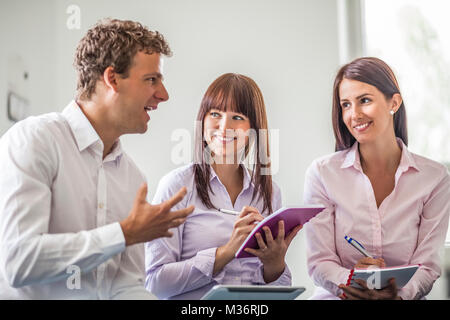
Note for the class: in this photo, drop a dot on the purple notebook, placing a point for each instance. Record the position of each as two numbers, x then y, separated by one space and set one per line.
292 217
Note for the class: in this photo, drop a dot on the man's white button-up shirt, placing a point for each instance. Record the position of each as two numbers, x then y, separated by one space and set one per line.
60 207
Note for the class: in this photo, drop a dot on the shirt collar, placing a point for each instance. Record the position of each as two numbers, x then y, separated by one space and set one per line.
247 177
352 158
85 134
407 160
116 152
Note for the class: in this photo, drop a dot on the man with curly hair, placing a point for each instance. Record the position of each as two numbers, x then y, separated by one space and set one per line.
73 209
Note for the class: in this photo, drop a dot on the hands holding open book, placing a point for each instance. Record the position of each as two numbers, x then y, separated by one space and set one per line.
390 292
271 252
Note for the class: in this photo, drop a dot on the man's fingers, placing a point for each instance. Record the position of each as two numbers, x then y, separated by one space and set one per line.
176 222
179 217
141 195
182 213
168 234
168 204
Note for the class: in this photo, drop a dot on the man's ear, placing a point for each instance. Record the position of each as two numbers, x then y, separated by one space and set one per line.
110 78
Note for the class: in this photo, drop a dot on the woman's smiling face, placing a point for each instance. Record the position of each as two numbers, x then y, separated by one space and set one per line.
226 132
366 111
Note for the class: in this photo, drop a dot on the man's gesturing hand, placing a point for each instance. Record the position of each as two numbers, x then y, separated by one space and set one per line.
147 222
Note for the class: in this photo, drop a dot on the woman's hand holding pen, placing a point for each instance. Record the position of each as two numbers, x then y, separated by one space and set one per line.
242 228
272 252
366 262
244 224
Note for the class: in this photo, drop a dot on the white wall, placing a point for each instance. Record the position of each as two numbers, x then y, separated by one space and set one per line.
290 48
27 31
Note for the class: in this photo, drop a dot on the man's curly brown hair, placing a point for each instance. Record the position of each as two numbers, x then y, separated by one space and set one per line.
114 43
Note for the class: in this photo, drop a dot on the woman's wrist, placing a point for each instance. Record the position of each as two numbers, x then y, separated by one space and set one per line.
225 253
223 257
272 272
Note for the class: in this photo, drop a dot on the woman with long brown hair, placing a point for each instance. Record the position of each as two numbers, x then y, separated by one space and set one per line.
231 127
394 202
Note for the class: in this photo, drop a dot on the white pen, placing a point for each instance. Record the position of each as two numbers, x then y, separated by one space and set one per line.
358 246
234 213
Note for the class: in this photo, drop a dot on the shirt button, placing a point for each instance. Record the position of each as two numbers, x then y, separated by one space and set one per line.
101 205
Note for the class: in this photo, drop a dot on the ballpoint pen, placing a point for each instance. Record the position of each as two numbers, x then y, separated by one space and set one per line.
234 213
358 246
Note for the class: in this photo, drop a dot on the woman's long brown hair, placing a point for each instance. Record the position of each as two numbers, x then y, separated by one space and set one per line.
240 94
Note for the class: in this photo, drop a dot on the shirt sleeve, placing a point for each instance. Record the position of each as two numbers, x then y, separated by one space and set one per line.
28 253
323 263
284 280
128 283
167 275
432 231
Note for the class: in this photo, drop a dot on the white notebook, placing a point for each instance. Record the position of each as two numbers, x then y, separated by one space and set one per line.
378 278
